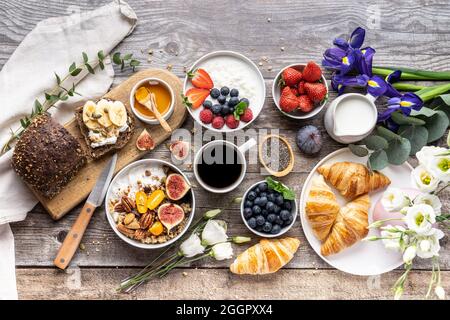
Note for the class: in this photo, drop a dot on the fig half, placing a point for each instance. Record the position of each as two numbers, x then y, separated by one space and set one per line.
176 186
180 149
145 141
170 215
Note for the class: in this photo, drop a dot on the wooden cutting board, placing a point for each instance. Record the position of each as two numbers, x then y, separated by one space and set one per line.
80 187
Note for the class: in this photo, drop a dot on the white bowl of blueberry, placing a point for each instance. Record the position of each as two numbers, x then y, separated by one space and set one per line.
269 208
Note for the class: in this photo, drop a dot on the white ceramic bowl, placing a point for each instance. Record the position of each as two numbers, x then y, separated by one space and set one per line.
145 163
256 103
143 118
276 92
294 212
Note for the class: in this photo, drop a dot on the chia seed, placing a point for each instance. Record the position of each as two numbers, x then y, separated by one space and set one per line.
275 154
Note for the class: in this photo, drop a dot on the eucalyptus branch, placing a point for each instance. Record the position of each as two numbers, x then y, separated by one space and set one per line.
60 93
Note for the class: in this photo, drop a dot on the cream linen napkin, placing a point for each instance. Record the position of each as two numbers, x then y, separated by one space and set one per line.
50 47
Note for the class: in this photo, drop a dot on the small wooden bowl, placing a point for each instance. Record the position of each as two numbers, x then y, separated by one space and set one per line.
291 155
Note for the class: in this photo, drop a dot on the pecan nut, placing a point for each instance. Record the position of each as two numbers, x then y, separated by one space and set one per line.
128 232
140 234
146 220
127 204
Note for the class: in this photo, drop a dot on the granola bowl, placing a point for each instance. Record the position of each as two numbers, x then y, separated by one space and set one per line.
150 204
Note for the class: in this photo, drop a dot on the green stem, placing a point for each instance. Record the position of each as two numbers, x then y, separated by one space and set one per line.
429 93
412 74
401 86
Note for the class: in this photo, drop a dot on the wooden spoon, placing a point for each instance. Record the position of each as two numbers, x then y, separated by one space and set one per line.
147 98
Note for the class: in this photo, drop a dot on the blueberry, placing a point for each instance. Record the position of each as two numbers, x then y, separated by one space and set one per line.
270 206
257 199
207 104
263 194
259 228
231 109
221 99
251 195
284 215
216 108
271 197
251 223
245 100
275 229
276 209
260 220
234 93
287 205
225 91
262 186
257 190
271 217
256 209
233 101
248 213
267 227
309 139
264 212
279 221
289 221
262 201
215 93
279 200
225 110
248 204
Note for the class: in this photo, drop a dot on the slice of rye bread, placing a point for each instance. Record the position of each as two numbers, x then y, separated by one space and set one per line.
122 140
47 156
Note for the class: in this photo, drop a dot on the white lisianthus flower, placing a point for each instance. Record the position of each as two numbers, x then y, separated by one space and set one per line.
213 233
427 153
440 167
192 246
394 199
440 292
409 254
431 200
222 251
424 179
420 218
391 236
428 244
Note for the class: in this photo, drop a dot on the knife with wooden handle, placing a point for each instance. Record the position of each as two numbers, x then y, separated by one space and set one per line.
95 199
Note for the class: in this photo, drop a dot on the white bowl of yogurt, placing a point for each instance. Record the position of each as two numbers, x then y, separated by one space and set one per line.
233 70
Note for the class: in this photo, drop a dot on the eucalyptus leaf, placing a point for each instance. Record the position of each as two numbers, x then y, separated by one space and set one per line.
375 142
58 79
417 136
134 63
85 57
387 134
401 119
127 56
72 67
116 58
101 64
89 68
101 55
398 151
75 72
378 160
424 111
358 150
437 125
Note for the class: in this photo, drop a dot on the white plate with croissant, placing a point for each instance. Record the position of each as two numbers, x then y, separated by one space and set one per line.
336 206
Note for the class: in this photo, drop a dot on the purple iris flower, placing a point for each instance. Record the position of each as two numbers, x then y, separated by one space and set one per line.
376 86
405 103
364 60
338 59
390 79
340 82
354 42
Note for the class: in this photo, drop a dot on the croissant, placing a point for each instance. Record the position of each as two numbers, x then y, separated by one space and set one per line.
267 256
353 179
321 208
350 226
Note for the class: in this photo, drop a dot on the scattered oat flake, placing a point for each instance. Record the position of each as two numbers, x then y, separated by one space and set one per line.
149 59
260 63
150 51
269 19
185 274
269 68
282 48
82 246
169 67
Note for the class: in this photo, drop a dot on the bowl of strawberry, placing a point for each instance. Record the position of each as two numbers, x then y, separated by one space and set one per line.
300 91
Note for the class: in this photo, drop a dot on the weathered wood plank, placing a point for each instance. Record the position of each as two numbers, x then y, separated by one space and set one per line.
99 283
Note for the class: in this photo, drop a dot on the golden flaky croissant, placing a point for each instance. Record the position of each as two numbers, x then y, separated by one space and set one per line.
350 226
353 179
321 208
267 256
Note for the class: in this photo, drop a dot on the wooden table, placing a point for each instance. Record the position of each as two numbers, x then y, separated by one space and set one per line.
275 33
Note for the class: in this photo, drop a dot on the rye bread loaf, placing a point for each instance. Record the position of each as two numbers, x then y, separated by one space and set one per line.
99 152
47 156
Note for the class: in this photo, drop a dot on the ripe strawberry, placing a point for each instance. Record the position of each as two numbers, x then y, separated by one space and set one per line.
294 91
218 122
312 72
206 116
201 79
194 97
247 116
305 104
316 91
288 101
301 87
231 122
291 76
